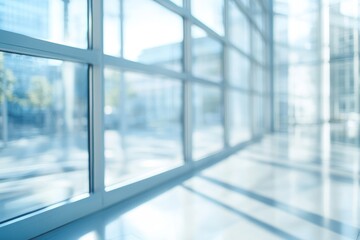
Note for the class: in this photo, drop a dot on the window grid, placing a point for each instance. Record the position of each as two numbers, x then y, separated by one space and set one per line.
94 57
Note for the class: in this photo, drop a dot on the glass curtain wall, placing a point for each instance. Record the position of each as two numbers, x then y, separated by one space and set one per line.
344 68
202 53
317 65
44 109
103 95
297 62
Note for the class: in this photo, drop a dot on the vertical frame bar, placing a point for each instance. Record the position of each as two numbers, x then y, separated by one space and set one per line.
98 163
271 76
251 81
226 88
325 61
356 57
187 87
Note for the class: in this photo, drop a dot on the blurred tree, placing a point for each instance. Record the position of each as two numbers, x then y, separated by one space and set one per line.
7 82
40 92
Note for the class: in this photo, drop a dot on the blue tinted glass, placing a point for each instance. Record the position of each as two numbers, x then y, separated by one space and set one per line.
43 133
64 22
143 130
207 121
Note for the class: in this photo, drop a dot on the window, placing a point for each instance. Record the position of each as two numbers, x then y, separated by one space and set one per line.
258 46
240 129
258 14
143 130
258 80
211 13
206 56
239 28
63 22
258 115
239 69
112 28
152 34
44 133
103 100
208 130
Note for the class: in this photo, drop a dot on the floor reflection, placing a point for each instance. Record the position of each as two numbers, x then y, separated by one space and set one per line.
300 185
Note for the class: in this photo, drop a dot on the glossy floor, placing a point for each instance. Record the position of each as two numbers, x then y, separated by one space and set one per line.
299 186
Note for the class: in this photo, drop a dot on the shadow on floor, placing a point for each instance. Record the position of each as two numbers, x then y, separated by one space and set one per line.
330 224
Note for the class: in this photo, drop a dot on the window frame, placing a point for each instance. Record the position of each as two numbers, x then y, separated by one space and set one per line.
98 198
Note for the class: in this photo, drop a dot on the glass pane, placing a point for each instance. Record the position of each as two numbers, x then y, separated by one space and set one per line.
258 81
239 69
257 14
258 46
303 100
208 128
143 130
206 56
343 91
281 6
303 31
268 113
211 13
298 62
267 89
239 30
59 21
240 129
152 34
281 28
258 115
341 36
112 27
44 133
